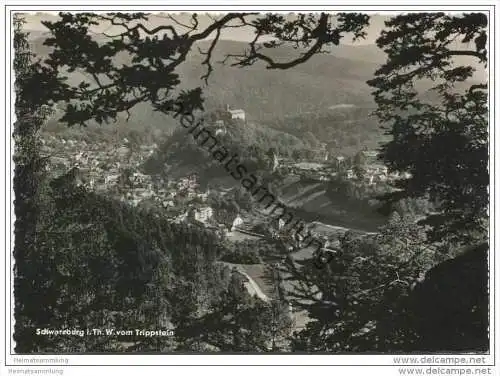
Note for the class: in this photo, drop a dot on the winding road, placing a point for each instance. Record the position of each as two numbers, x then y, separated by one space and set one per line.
252 286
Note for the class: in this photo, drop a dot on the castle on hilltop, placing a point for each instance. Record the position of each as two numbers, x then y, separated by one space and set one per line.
235 114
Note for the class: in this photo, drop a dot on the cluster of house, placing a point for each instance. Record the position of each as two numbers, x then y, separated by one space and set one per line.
312 170
373 171
102 166
183 194
100 162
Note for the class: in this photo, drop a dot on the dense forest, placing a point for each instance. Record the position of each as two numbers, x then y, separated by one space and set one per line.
345 130
252 144
111 266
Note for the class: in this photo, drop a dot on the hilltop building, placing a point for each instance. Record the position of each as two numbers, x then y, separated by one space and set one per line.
236 114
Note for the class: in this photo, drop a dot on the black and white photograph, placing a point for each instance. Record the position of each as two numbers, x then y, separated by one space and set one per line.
250 182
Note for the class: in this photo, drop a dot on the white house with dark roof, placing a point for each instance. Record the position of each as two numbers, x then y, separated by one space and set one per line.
236 114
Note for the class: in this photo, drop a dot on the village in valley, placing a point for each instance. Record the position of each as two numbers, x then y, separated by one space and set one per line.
250 183
114 168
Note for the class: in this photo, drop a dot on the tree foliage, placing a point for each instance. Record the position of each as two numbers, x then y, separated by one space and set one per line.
237 322
457 289
440 138
28 172
102 264
360 297
140 269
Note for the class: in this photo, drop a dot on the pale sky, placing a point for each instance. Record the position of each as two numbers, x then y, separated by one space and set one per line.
238 34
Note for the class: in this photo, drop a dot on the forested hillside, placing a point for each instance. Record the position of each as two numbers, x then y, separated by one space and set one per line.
266 96
108 265
327 95
324 81
345 129
251 142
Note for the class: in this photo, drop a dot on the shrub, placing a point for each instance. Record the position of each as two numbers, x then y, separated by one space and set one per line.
242 253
